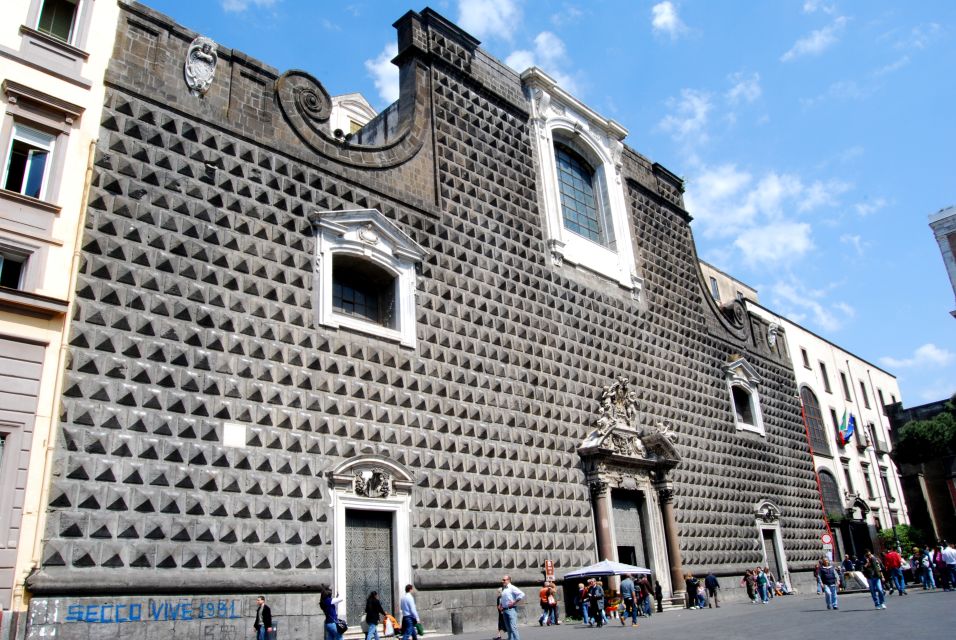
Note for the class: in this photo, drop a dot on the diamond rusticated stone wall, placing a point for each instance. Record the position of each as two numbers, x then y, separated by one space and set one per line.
194 308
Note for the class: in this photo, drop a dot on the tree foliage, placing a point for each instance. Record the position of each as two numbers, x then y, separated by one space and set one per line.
923 440
908 537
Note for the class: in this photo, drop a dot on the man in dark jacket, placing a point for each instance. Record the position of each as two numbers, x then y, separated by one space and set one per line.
712 586
830 581
263 623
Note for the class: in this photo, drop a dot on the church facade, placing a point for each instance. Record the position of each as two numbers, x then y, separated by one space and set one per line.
468 339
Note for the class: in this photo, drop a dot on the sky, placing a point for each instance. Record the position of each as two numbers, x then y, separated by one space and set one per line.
815 137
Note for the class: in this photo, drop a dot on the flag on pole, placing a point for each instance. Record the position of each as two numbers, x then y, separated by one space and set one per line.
847 427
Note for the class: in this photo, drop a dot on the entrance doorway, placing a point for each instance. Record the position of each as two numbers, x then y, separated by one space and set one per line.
629 527
770 553
368 561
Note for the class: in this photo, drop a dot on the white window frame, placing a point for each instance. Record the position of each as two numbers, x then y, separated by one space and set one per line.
560 118
368 235
74 27
739 373
37 139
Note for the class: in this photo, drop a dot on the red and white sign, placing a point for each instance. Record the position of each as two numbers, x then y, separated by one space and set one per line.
826 538
549 570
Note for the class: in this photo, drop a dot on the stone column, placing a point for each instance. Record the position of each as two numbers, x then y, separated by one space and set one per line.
602 520
665 492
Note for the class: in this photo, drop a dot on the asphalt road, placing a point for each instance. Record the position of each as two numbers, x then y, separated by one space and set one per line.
917 616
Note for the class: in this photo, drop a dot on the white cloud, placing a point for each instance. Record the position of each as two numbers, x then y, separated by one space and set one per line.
385 74
896 65
817 42
920 36
774 243
812 6
489 18
842 90
866 208
688 119
820 194
328 25
520 60
238 6
745 87
939 389
549 54
568 15
854 241
793 300
664 20
928 355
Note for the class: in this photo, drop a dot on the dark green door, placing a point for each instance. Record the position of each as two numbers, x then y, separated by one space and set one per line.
368 561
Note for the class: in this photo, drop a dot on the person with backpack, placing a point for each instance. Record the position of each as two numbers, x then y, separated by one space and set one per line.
873 570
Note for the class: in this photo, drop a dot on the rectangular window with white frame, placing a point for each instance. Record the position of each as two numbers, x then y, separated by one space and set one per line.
12 269
28 161
58 18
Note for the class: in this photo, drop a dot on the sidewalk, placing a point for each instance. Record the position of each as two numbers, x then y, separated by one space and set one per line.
920 614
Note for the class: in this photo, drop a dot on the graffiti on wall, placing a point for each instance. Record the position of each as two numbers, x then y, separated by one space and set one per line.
152 611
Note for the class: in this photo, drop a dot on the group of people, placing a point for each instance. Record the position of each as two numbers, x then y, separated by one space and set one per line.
930 567
335 626
762 585
701 596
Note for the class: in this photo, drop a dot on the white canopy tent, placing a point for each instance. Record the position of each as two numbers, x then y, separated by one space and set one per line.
606 568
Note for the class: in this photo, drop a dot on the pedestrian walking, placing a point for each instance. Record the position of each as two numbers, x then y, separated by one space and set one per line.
263 622
712 585
409 614
583 602
510 597
830 582
596 594
644 585
502 626
948 555
873 571
629 593
329 606
374 613
659 596
894 566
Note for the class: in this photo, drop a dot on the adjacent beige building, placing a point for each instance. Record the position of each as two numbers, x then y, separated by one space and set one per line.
859 483
53 55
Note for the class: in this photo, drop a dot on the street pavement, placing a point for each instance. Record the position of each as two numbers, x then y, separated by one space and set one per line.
918 615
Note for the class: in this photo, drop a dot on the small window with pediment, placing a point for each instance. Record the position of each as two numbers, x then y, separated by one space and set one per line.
365 274
742 383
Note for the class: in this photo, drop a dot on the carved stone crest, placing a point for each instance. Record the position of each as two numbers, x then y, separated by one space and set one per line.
772 332
368 235
200 66
768 513
374 483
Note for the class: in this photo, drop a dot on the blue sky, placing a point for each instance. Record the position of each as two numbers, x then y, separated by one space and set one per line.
815 137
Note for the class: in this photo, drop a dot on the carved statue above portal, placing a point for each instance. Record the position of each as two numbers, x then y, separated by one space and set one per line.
374 483
618 406
619 434
200 66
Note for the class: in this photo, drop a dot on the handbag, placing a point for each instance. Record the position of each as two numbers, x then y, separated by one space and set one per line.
341 626
420 628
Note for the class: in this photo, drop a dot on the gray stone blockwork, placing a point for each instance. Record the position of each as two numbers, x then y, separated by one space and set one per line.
194 308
